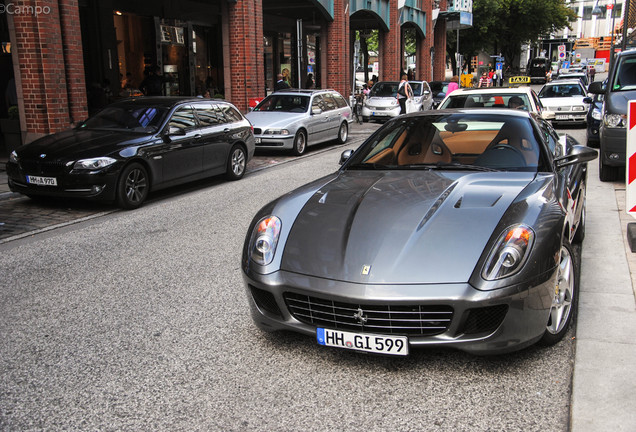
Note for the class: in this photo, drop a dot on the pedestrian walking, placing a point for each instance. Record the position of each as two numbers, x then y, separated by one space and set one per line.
453 85
483 81
281 84
404 93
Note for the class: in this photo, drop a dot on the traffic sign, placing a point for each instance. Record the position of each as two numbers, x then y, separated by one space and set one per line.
561 48
630 204
561 55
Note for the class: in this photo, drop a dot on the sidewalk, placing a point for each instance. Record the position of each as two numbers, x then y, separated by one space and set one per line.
604 387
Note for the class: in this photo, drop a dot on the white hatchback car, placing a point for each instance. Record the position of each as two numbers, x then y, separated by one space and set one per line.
382 104
566 98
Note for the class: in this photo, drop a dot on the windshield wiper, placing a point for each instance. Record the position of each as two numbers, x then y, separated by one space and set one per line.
449 165
370 166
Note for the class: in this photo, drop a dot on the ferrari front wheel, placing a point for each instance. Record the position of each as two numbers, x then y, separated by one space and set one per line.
564 297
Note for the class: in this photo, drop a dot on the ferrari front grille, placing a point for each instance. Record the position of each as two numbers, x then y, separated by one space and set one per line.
412 320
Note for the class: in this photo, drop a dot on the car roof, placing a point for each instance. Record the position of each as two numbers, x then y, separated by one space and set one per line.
495 112
564 81
165 101
306 92
493 90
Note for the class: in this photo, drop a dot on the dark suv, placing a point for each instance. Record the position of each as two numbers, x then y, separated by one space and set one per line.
620 88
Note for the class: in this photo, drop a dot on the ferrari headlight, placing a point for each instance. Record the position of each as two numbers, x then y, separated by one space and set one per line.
13 157
510 252
264 240
615 120
94 163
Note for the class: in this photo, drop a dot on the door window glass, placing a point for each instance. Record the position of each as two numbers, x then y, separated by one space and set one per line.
318 102
329 102
230 113
208 116
183 118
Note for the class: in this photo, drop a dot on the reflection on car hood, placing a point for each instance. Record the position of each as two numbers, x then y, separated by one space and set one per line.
406 226
382 101
74 143
273 119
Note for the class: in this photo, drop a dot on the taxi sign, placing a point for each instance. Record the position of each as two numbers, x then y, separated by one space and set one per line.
519 80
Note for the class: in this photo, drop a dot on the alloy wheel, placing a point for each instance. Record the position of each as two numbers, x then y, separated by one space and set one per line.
563 294
136 185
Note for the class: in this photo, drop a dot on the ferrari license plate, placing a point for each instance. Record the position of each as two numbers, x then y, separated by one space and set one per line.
42 181
375 343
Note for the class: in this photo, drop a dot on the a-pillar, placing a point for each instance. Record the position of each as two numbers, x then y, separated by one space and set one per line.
49 67
390 47
338 71
243 52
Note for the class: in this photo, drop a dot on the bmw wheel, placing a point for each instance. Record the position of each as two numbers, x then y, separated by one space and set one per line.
343 132
300 143
236 163
565 297
133 186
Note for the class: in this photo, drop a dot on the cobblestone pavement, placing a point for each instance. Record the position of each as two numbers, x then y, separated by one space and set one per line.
21 217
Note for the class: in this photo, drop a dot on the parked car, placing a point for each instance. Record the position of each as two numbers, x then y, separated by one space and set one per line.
295 119
439 89
581 76
523 98
444 228
382 104
133 147
538 68
567 99
593 119
618 90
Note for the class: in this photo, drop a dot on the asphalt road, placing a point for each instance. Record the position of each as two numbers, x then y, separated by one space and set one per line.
139 320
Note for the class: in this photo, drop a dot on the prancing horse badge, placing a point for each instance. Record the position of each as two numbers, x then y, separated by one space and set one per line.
366 269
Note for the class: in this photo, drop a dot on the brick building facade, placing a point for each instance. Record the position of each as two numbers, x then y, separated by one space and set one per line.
73 46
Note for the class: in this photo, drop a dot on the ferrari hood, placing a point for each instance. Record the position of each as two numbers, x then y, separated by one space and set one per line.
399 227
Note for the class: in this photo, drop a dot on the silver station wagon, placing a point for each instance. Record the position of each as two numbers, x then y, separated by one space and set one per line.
295 119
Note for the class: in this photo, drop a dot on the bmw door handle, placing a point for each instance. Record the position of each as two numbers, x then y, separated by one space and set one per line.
197 136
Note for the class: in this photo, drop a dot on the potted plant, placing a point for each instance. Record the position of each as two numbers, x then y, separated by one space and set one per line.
10 128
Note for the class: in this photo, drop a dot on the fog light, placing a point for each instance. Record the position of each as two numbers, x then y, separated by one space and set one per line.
97 189
613 156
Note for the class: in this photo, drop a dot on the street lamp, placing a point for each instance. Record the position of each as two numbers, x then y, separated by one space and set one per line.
597 12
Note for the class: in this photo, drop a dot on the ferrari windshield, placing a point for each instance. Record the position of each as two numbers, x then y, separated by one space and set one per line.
452 141
132 118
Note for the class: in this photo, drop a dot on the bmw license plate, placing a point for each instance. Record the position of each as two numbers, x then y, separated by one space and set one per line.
41 181
375 343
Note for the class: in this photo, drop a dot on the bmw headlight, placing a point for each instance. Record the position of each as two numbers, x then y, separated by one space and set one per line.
510 252
13 157
276 132
264 240
596 114
615 120
94 163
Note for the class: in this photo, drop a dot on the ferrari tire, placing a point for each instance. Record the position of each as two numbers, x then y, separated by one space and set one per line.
133 186
565 297
300 143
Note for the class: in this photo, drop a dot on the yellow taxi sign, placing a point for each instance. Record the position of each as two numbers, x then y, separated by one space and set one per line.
519 80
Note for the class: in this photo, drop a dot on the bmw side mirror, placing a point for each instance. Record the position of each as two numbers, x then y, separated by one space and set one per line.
578 154
345 156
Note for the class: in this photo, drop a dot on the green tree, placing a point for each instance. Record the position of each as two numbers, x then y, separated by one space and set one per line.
503 26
